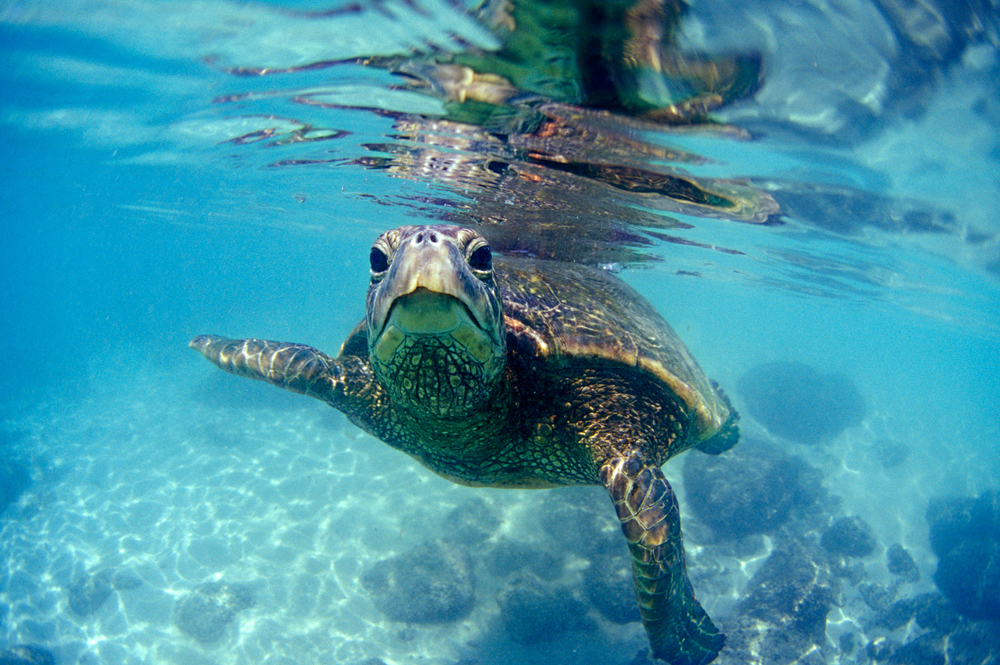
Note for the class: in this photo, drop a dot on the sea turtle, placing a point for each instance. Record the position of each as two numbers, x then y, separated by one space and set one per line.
504 372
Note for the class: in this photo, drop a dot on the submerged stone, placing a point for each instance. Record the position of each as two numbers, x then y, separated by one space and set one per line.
965 535
951 522
890 454
205 613
610 588
881 649
974 642
534 612
970 577
791 592
901 563
930 610
14 479
781 617
508 557
795 401
751 489
472 522
27 654
877 596
432 583
580 523
89 592
944 636
849 536
125 581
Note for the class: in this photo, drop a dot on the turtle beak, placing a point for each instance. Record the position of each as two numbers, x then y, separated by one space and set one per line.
426 312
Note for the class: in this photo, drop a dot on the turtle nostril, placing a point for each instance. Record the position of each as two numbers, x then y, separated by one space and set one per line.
429 236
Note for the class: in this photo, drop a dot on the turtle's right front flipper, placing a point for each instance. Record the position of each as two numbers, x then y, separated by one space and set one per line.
296 367
680 632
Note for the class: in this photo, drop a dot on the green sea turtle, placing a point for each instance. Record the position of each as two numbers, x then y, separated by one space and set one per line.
522 374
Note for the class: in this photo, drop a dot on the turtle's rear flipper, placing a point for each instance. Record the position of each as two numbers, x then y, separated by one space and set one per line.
729 434
680 632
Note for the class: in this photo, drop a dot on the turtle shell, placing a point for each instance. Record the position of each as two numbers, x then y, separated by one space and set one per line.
568 314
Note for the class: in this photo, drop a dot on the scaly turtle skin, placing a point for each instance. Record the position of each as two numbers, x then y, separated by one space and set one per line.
513 373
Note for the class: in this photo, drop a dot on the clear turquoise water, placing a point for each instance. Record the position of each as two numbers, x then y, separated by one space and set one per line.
130 221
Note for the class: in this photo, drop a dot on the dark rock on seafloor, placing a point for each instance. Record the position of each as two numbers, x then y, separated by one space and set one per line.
852 572
27 654
847 643
507 558
878 596
781 617
950 521
931 611
209 608
15 478
970 577
970 643
581 520
610 588
432 583
90 591
926 649
534 612
795 401
125 581
965 535
889 453
471 522
944 636
901 563
750 641
790 590
751 489
849 536
974 643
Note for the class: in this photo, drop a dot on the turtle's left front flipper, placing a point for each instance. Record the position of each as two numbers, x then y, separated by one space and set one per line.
296 367
680 631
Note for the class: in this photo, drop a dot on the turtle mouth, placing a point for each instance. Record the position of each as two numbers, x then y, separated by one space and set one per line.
423 319
426 312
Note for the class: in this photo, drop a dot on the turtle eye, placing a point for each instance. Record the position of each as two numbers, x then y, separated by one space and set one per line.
379 262
481 259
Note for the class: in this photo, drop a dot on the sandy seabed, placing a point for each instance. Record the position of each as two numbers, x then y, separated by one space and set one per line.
271 514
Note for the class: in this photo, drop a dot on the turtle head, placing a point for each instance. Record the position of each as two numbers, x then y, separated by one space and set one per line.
436 336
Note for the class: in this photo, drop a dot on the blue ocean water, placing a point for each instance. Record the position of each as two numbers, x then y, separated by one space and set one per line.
177 168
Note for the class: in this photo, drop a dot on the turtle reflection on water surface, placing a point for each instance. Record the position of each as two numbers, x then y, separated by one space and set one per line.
522 374
622 56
